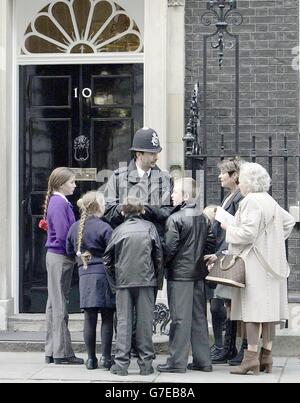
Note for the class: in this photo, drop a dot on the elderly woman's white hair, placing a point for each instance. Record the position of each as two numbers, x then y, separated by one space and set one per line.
254 177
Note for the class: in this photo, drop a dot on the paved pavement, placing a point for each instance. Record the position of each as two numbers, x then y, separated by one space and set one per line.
29 367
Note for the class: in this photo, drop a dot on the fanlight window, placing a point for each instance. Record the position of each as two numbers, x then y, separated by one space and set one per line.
82 26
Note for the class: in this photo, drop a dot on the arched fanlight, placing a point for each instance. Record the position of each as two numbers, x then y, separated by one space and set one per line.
82 26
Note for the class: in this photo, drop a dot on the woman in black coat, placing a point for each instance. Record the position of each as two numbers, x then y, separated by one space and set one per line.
229 179
87 239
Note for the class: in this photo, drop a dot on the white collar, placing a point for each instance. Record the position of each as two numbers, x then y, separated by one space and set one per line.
141 172
61 195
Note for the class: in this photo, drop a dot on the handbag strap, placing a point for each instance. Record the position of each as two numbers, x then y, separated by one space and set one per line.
268 268
246 251
231 263
260 256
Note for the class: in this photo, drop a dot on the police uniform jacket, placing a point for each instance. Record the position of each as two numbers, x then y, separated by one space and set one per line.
155 191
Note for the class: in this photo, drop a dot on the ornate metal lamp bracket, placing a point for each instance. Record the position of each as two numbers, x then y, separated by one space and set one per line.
192 146
221 13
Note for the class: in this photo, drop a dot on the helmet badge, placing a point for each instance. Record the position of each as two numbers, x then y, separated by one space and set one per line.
155 140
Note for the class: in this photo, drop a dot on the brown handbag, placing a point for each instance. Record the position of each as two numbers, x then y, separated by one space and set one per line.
228 270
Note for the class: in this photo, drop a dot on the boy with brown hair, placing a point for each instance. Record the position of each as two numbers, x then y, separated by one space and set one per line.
133 260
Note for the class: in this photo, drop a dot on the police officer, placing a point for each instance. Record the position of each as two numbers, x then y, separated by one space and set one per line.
143 179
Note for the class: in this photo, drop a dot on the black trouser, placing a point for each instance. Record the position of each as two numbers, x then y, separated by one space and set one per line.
218 316
107 330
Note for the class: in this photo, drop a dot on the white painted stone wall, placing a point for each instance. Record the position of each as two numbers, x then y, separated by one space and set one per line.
155 71
175 83
6 303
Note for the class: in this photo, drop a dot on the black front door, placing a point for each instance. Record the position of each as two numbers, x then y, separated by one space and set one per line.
81 116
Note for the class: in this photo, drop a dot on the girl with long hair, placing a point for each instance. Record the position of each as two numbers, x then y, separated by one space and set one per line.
87 239
57 220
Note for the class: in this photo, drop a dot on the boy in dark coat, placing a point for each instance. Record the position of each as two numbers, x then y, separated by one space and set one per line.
188 239
133 260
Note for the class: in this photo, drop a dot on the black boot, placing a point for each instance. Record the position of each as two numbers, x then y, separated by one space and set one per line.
91 363
239 358
229 350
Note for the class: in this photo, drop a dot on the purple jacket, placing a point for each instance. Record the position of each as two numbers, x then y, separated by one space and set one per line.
60 217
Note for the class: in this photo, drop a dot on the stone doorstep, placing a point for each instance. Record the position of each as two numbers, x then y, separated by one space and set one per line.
35 342
26 333
37 323
285 344
79 347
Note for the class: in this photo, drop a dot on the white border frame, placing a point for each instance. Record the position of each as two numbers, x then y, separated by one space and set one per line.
101 58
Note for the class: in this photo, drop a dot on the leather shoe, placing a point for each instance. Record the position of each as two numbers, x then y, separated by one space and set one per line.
49 359
91 363
134 353
194 367
167 368
69 361
148 371
106 362
117 370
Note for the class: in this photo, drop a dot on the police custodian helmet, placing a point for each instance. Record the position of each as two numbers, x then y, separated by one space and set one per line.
146 140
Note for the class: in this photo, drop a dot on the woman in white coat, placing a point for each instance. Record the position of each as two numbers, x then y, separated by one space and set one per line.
260 231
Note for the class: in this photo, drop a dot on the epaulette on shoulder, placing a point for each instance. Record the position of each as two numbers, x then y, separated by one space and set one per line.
120 170
165 173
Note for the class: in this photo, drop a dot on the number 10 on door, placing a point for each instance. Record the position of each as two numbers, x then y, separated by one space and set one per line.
86 92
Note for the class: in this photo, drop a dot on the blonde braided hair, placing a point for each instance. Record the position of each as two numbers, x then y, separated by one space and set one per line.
91 203
57 178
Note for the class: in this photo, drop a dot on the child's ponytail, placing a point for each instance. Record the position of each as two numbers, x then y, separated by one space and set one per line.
85 256
91 203
46 202
43 222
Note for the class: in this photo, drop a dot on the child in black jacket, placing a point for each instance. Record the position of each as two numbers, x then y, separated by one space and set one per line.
133 261
188 239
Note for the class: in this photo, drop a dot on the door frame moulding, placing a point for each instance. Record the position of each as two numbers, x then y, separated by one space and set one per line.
41 59
103 58
155 44
15 150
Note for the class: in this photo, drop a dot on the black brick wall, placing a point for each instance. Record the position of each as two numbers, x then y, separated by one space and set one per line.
269 93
